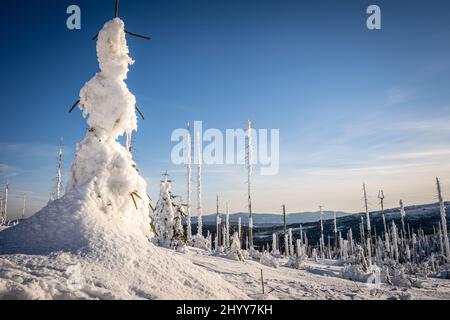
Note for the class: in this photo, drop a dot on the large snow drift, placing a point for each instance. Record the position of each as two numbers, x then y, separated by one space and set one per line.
94 241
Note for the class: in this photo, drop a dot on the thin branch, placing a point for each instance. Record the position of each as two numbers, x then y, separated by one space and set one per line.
73 107
140 112
134 200
137 35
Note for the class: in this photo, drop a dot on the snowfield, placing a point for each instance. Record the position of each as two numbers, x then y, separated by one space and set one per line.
80 253
158 273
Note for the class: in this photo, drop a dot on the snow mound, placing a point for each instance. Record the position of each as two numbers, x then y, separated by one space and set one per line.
268 260
70 250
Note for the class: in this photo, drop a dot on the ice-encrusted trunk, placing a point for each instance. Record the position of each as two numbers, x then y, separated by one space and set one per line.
402 216
443 221
189 182
369 231
381 197
24 204
336 242
218 224
199 186
227 226
57 192
286 245
350 240
321 240
240 229
274 242
249 147
291 242
5 204
102 165
395 250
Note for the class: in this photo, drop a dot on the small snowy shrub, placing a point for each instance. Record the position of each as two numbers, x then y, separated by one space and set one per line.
200 242
296 262
182 248
268 260
444 271
234 252
358 273
254 254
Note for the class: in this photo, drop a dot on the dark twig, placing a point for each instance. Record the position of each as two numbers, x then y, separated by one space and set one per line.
140 113
136 194
137 35
73 107
134 200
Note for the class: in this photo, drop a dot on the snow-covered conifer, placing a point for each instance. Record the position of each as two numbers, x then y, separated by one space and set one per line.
102 165
164 215
234 252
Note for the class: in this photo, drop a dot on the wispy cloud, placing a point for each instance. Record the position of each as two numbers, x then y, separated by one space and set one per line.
7 171
397 95
32 149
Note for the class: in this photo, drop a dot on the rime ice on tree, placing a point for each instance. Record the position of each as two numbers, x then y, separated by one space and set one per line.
164 215
109 107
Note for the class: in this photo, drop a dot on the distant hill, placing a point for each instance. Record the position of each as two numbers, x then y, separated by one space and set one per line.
272 219
417 216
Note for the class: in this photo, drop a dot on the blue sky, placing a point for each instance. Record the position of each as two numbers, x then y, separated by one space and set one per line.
352 105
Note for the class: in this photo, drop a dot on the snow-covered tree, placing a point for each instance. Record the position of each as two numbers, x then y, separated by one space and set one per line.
369 229
57 192
4 212
291 242
189 182
395 239
240 228
227 226
199 186
164 215
24 204
444 221
249 149
286 245
402 217
2 218
234 252
103 168
179 215
274 244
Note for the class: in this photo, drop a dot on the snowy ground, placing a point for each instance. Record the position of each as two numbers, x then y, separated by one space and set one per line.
317 281
196 275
